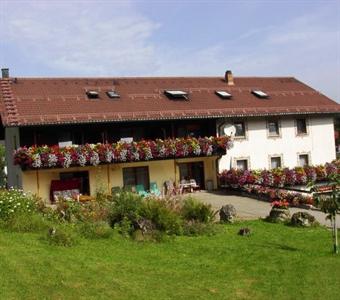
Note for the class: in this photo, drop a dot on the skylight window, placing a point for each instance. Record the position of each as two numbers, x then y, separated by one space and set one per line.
175 94
92 94
223 94
113 94
260 94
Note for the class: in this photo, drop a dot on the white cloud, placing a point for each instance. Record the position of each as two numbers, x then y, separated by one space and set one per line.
112 39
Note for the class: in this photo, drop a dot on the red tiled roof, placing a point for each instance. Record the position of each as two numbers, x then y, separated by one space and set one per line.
33 101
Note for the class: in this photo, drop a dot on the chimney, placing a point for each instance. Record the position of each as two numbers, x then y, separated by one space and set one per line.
5 72
229 79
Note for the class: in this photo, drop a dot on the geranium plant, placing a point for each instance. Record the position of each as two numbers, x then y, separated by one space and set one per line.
281 204
279 177
36 157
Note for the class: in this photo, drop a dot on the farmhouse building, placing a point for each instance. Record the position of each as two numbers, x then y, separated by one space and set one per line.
143 130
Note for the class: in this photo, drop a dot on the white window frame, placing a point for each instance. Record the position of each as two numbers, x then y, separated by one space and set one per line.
275 156
304 153
270 135
246 158
296 127
245 136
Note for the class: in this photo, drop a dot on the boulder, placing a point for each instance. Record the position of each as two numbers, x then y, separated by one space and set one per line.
279 215
227 213
303 219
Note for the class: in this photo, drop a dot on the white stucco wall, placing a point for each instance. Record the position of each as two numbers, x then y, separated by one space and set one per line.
318 143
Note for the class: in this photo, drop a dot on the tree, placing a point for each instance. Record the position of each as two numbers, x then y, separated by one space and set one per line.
329 203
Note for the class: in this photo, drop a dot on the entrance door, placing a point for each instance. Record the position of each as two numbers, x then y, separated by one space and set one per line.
193 170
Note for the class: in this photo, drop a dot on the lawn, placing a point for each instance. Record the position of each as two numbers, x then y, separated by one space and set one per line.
275 262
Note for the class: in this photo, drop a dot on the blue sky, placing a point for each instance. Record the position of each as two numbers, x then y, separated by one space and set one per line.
298 38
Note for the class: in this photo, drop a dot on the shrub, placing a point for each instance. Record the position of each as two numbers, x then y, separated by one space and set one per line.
194 210
161 216
15 201
69 210
125 227
95 230
126 207
25 222
62 235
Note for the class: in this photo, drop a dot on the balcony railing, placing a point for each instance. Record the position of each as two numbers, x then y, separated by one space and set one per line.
40 157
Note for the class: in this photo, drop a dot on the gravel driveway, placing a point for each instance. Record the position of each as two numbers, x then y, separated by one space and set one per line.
248 208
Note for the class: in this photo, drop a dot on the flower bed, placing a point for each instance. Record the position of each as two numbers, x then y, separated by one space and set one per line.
270 184
279 177
36 157
274 194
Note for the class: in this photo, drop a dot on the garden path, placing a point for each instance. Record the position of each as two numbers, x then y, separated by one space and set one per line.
248 208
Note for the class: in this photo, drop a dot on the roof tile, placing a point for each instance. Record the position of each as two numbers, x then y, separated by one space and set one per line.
33 101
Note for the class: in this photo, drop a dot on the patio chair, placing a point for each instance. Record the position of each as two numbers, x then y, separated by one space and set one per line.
170 188
194 185
154 189
140 190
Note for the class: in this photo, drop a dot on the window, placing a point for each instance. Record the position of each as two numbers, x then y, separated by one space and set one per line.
193 170
303 160
223 94
273 128
242 164
134 176
112 94
240 129
275 162
259 94
301 126
92 94
174 94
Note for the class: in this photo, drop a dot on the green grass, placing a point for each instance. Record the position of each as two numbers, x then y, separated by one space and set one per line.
275 262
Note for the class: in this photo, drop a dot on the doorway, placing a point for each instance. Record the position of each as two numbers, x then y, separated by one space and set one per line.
193 170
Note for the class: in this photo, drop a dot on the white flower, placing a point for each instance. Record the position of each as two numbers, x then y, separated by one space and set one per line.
94 159
81 160
123 155
36 161
67 160
109 156
52 160
136 155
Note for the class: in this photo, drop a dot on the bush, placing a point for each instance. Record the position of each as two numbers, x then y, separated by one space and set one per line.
161 216
126 207
95 230
194 210
69 210
62 235
14 202
25 222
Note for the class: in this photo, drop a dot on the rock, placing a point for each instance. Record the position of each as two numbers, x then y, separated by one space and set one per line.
279 214
145 225
303 219
244 231
227 213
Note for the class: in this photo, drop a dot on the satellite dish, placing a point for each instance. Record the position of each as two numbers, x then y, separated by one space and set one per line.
228 129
